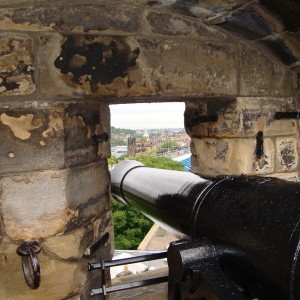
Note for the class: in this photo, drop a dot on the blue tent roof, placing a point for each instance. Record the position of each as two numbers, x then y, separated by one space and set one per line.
187 164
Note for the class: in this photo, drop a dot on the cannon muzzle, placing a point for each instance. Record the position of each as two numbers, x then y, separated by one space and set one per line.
253 222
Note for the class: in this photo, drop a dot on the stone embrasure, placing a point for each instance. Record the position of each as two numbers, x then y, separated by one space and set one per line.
62 63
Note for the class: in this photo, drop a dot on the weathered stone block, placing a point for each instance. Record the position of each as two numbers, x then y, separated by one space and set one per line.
76 18
287 155
253 23
140 66
42 204
87 190
261 76
241 117
16 64
58 278
77 243
49 135
262 165
186 67
175 25
213 157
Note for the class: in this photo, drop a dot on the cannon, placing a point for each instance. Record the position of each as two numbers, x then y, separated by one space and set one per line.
239 234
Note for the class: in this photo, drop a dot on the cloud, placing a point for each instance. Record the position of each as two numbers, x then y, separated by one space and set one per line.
145 115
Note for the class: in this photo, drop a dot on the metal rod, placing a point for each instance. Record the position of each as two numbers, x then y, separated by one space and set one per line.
127 261
129 285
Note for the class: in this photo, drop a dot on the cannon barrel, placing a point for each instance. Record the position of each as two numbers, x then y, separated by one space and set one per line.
252 221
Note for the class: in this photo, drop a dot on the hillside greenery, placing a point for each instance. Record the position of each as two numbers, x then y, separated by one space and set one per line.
122 130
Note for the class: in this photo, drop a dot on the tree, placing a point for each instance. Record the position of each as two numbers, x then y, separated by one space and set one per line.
130 225
161 162
168 145
112 161
122 130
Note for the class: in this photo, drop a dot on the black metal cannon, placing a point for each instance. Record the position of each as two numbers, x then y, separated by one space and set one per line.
240 233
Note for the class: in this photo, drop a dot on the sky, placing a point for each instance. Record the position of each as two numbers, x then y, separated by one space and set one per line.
147 115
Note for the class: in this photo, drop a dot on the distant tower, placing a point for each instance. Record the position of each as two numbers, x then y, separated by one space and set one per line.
146 137
131 145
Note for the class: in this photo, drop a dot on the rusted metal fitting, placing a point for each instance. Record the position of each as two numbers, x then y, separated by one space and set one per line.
287 115
259 149
205 119
100 138
96 245
30 263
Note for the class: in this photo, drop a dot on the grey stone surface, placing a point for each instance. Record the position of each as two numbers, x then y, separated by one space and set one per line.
260 76
176 25
42 204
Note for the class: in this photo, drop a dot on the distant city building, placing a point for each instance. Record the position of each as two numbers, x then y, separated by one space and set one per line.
150 140
118 151
140 145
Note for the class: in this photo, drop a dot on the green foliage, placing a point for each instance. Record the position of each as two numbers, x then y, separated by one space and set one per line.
168 145
112 161
161 162
130 225
122 130
122 157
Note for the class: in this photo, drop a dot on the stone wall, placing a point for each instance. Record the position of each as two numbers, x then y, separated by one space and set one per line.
230 145
54 189
61 65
